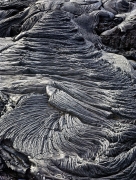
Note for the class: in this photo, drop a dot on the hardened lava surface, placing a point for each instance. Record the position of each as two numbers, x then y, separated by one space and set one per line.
68 90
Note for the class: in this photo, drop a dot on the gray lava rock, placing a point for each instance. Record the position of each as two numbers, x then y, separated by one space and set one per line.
68 89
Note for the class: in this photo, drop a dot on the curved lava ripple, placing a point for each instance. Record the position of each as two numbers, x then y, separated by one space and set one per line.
68 89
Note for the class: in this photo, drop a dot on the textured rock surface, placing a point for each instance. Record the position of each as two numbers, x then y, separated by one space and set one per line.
68 90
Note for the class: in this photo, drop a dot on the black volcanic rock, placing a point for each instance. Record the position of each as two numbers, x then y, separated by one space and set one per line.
68 90
121 40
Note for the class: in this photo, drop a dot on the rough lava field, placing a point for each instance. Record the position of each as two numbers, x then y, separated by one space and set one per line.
68 90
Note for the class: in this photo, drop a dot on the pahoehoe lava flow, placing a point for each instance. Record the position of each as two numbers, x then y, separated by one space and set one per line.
68 89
